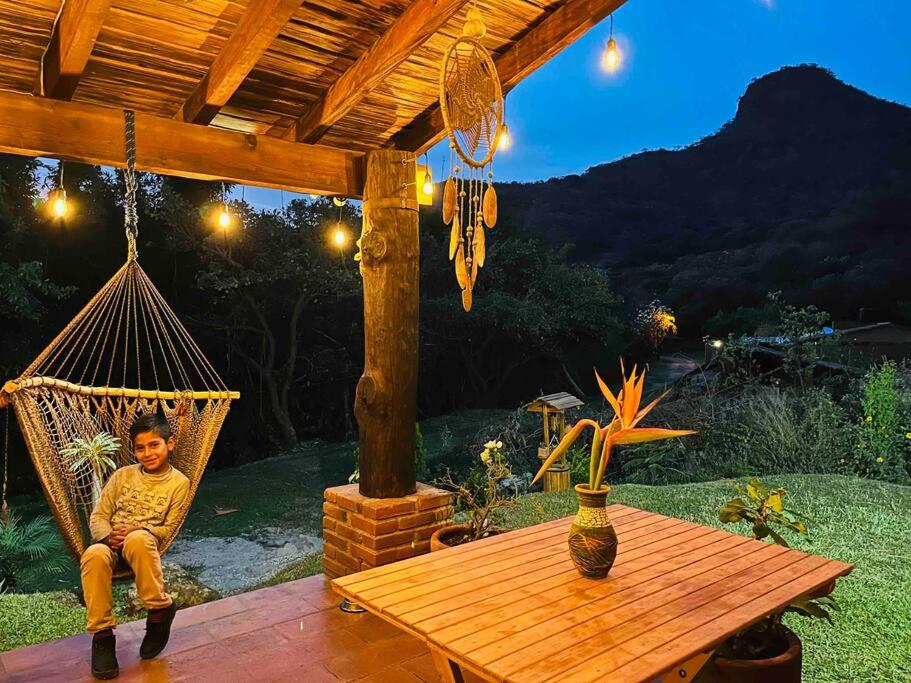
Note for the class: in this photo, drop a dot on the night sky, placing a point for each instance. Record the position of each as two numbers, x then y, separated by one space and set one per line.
685 63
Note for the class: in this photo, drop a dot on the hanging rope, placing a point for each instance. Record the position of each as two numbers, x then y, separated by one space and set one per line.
131 217
4 508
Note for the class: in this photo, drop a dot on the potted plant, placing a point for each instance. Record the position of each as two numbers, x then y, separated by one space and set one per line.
94 458
592 540
478 496
767 651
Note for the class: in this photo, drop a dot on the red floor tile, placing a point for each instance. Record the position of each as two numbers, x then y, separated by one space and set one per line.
293 632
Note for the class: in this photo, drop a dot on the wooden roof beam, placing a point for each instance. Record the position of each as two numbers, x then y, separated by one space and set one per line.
259 26
421 20
556 31
72 39
36 126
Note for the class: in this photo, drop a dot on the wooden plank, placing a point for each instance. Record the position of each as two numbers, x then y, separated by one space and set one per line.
660 648
485 552
72 40
421 20
454 589
659 568
260 24
463 553
559 574
720 629
516 646
556 31
35 126
588 660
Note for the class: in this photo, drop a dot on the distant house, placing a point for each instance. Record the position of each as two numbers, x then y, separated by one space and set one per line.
876 340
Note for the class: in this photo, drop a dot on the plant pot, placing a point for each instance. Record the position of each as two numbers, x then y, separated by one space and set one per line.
444 538
783 668
592 539
448 536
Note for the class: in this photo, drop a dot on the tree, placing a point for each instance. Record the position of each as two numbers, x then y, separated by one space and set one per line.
269 284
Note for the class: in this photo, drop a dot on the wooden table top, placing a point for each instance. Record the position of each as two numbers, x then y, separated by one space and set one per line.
513 608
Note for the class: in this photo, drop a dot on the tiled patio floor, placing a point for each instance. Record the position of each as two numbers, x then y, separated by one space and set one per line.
292 632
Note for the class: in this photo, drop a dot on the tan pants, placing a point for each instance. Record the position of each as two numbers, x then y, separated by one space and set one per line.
140 550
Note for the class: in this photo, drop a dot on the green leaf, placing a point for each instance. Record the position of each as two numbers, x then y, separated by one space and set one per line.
732 511
778 538
774 502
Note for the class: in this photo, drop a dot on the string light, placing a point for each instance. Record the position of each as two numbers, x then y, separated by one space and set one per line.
504 140
340 236
224 216
58 203
59 206
611 52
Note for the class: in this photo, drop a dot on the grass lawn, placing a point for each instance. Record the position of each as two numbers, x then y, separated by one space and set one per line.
854 520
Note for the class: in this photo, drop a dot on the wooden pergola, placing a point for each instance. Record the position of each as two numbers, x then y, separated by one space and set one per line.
331 97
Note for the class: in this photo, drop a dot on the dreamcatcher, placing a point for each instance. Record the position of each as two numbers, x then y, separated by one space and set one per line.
472 104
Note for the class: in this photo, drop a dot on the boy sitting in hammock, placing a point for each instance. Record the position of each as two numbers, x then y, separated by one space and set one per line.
139 507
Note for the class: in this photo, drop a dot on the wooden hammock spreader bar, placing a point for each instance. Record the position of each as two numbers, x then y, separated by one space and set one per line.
13 386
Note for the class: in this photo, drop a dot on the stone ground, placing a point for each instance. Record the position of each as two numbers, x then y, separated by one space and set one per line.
231 565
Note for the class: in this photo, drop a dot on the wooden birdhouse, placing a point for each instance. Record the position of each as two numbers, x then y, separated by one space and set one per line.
553 409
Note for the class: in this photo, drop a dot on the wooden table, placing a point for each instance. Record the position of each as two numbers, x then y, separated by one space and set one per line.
513 607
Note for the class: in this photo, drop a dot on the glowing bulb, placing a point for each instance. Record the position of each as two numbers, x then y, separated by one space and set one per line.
224 219
428 184
505 141
60 206
717 343
611 56
340 237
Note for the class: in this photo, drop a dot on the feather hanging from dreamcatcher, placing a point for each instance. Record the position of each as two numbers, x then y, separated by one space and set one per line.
471 101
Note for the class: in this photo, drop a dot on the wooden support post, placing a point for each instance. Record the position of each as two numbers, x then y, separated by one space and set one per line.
386 400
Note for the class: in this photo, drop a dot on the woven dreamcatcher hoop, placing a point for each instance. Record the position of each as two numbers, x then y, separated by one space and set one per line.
471 101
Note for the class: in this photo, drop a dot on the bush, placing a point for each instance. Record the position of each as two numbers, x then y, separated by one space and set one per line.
881 451
762 430
28 549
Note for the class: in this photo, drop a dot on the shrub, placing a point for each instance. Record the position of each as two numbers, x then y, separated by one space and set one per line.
28 549
881 451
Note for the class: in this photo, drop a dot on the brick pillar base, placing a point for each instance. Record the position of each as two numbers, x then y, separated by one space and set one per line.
360 532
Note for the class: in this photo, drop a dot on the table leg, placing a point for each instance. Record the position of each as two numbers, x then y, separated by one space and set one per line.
450 671
686 671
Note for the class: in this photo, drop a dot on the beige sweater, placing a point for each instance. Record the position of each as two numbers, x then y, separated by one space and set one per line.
150 501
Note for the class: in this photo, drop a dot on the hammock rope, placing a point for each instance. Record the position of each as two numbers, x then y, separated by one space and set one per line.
126 334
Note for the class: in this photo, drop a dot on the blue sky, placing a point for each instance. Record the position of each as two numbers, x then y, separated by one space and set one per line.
685 63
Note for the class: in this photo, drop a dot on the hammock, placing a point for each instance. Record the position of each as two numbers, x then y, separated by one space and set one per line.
124 354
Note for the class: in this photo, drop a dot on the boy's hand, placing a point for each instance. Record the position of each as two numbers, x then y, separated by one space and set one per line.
119 533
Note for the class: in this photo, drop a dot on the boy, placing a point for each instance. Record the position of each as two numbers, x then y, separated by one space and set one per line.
139 507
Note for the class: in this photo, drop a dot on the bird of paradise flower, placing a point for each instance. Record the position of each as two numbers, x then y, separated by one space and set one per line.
623 429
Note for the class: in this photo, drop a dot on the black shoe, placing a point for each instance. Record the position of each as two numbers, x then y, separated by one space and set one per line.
104 657
157 631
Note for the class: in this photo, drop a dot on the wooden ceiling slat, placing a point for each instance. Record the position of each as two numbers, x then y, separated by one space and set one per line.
72 40
257 29
542 43
420 21
36 126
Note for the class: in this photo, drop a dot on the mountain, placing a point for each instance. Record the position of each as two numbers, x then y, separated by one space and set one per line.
807 189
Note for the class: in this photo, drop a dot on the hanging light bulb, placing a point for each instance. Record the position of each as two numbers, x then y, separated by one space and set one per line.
427 187
340 236
59 206
224 218
611 51
504 140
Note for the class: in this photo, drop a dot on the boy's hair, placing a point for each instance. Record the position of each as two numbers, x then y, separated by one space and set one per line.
150 422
